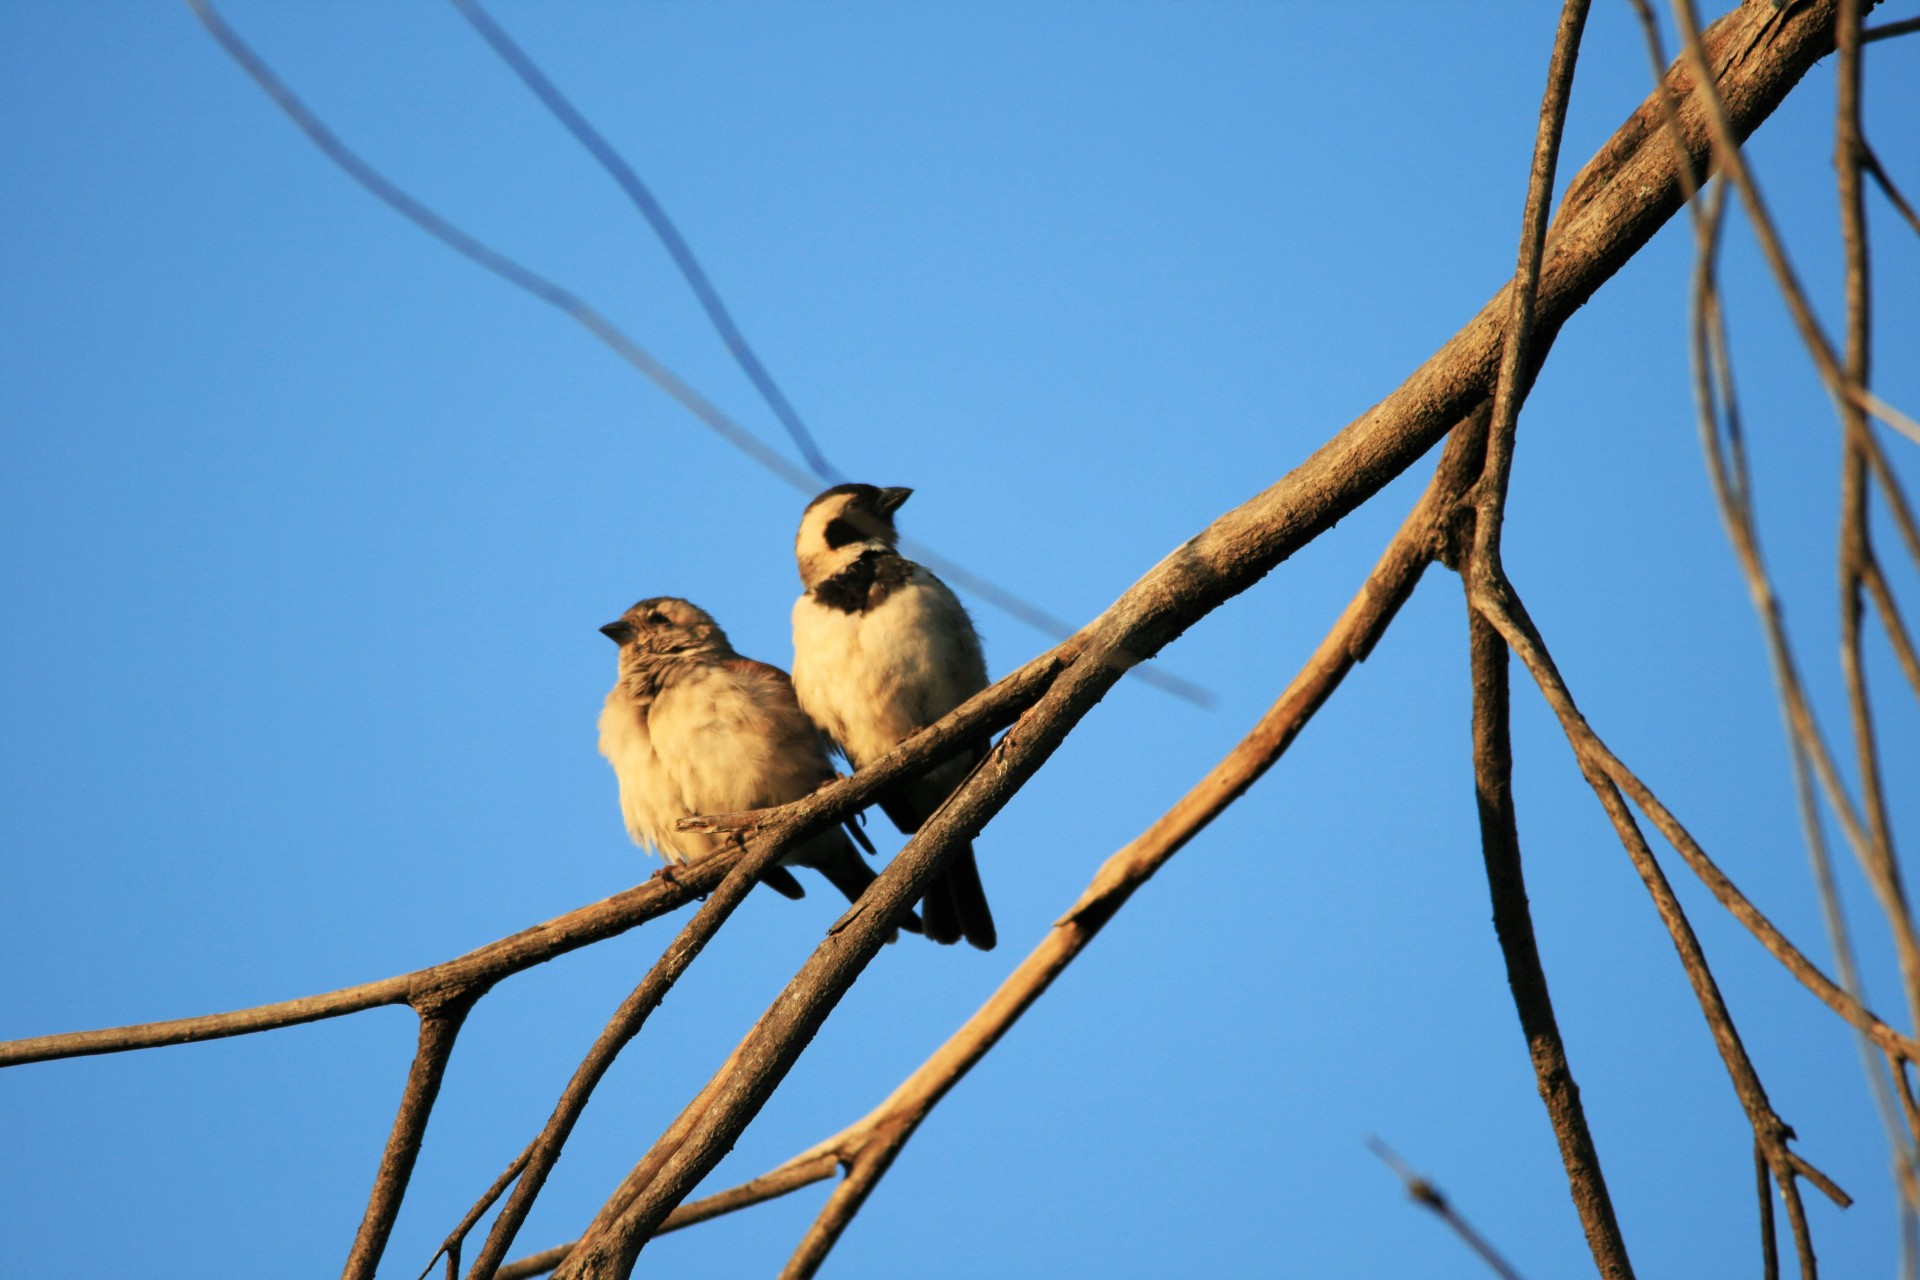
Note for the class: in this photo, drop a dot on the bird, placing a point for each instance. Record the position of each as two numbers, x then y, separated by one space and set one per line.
882 649
692 728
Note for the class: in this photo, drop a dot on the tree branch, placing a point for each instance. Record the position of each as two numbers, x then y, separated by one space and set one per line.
891 1123
1623 198
439 1027
1492 749
669 889
1422 1192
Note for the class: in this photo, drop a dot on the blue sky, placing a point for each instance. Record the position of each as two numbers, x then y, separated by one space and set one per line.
306 526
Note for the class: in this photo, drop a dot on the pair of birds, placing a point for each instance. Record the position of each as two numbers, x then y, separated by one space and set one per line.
881 650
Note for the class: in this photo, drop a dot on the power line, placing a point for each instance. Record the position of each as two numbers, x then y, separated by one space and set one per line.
676 245
615 338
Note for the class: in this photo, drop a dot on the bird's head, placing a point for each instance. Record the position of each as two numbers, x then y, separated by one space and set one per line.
662 630
843 522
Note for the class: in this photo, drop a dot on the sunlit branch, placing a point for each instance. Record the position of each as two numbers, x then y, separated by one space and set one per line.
544 1151
891 1123
1727 154
984 713
1611 209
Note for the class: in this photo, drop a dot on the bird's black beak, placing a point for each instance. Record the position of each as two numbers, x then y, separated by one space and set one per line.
619 632
891 499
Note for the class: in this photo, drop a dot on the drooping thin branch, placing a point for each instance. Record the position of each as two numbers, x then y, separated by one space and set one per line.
1714 394
1726 147
1526 976
439 1027
1422 1192
1859 570
669 235
1769 1234
609 334
1609 780
1501 607
1857 559
1492 750
1888 188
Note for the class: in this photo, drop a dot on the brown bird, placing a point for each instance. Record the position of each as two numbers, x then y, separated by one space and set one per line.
692 728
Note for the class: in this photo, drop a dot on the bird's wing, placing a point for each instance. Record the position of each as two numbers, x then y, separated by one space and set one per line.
764 674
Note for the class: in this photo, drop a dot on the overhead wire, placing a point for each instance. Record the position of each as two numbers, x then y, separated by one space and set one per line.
616 339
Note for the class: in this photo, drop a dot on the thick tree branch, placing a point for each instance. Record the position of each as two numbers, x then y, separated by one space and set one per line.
537 1161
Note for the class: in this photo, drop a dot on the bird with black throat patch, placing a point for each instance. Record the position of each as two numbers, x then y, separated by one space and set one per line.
882 649
691 728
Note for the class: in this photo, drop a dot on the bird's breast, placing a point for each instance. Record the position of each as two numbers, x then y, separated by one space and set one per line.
874 677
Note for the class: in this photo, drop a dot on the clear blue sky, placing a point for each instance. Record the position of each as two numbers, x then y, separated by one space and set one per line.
306 526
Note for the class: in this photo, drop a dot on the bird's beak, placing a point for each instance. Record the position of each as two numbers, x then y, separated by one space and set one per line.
891 499
619 632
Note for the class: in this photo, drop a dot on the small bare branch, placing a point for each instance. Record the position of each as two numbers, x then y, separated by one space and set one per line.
537 1161
439 1027
1501 607
1888 188
1888 30
1422 1192
1492 750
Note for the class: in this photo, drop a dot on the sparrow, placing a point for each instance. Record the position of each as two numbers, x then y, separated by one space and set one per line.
881 650
691 728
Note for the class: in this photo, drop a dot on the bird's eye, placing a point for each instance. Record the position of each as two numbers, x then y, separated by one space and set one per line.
657 619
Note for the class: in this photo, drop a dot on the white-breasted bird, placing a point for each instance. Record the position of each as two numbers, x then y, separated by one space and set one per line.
881 650
692 728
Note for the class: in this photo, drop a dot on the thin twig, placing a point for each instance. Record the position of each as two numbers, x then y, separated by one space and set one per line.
1502 607
544 1151
1769 1236
1492 750
1422 1192
650 208
1712 369
1888 30
1888 188
1726 147
1859 570
1526 976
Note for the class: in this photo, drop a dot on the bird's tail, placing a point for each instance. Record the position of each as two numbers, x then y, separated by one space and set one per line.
956 903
